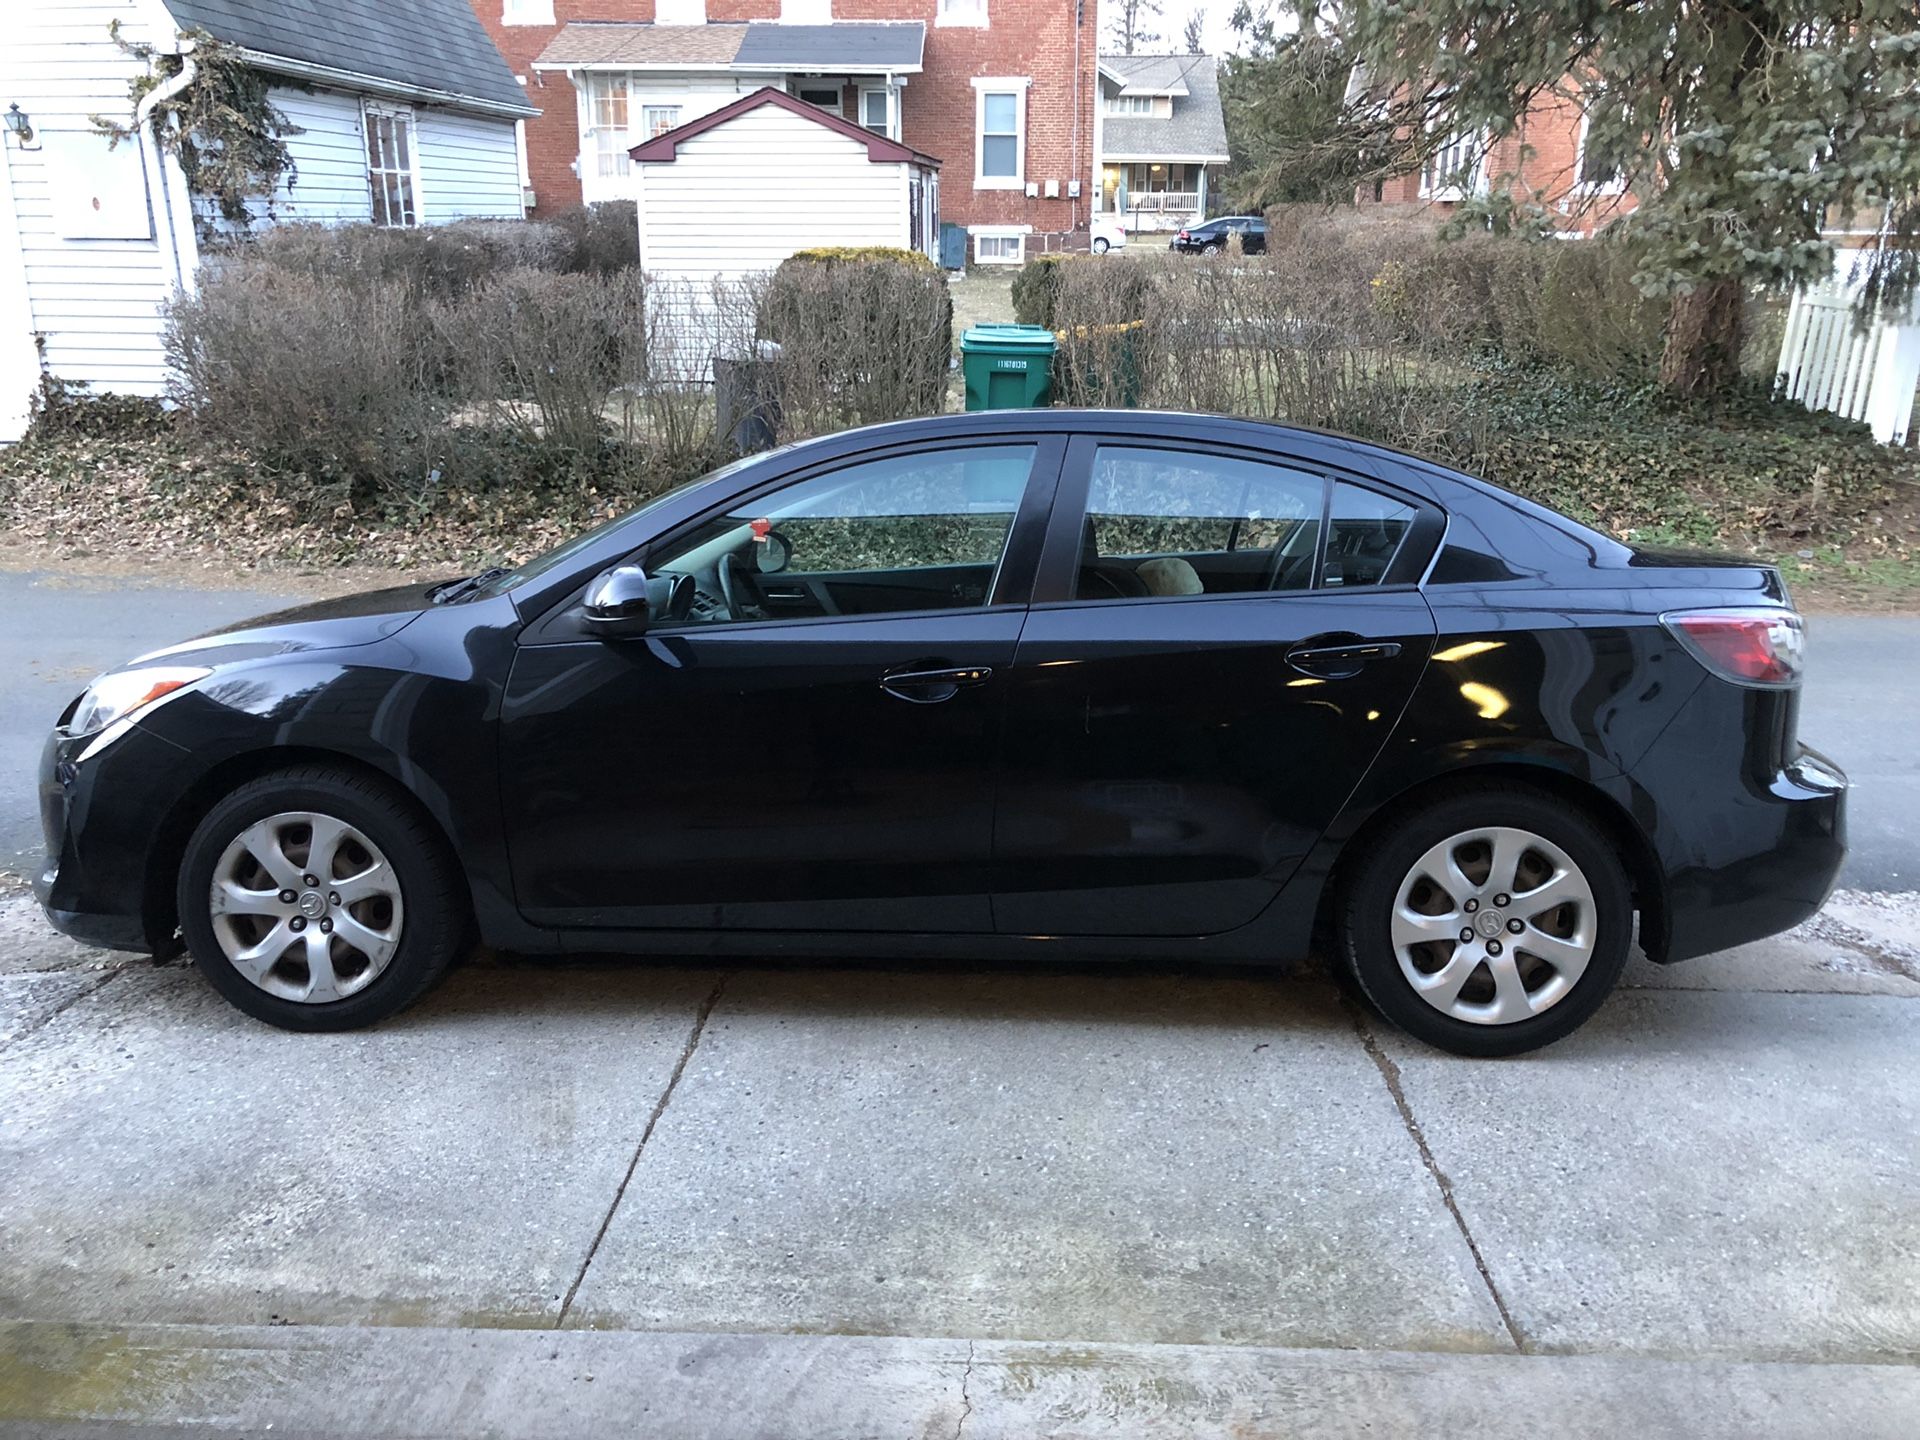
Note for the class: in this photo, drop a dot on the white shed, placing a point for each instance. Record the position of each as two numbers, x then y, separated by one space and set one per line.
407 116
741 188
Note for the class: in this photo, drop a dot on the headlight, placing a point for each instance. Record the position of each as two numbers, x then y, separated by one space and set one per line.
114 697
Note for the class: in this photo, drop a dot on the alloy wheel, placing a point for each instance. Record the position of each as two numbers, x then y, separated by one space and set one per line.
306 907
1494 926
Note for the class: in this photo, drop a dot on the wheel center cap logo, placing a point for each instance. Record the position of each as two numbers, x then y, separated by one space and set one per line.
313 904
1488 923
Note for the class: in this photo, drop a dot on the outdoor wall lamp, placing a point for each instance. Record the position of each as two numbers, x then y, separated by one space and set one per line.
19 124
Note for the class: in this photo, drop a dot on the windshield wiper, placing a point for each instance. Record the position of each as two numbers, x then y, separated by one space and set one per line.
454 590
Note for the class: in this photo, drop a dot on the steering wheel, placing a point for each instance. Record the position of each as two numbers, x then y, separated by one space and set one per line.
739 591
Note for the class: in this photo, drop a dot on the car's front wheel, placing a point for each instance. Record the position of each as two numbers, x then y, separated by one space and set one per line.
1101 245
317 899
1490 923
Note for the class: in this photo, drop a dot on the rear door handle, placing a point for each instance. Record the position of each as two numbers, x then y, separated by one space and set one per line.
1337 661
930 687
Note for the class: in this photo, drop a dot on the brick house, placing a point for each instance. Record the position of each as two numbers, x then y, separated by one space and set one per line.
999 91
1545 155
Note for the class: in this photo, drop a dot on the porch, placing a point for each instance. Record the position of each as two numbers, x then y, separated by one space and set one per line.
1154 195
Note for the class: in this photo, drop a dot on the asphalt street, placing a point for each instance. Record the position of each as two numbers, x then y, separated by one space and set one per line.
573 1198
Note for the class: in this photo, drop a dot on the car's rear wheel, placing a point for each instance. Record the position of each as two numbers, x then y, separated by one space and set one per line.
1101 245
1490 923
1212 249
316 899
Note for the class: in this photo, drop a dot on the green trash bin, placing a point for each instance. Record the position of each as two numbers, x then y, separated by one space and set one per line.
1007 367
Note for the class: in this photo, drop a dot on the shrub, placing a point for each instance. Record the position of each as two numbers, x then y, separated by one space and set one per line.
437 261
313 377
864 336
1034 287
602 238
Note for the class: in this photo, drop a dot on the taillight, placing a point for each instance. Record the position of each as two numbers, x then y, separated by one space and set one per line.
1748 647
1185 236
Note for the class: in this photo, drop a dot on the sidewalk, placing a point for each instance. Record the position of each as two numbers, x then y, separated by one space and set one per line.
1213 1204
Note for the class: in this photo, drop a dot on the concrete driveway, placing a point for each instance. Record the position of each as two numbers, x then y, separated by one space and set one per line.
585 1198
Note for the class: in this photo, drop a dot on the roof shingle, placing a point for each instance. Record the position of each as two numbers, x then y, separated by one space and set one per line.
1197 129
429 44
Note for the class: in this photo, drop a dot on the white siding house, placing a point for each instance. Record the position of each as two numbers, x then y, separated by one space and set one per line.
816 180
96 237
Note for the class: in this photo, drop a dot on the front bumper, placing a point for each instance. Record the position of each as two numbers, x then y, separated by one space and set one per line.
102 800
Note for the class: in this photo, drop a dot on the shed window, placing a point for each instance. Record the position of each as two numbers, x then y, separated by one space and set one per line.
390 165
607 111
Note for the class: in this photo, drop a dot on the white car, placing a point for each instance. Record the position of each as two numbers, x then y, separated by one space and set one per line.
1108 234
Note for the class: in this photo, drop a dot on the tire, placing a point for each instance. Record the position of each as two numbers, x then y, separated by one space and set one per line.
390 885
1212 249
1101 245
1402 914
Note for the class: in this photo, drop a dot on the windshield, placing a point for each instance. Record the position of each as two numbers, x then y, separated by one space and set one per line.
540 564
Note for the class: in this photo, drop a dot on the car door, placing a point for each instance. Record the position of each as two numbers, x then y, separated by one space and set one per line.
1219 645
812 747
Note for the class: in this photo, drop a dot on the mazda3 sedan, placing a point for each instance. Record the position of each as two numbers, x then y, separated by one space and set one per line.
1043 683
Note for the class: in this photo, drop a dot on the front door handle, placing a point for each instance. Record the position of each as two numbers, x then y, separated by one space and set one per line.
1334 662
930 687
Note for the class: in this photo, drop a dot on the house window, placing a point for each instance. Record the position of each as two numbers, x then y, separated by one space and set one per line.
826 97
607 137
680 12
1148 179
1000 247
961 12
876 111
1000 123
806 12
658 119
390 165
1130 105
1454 171
1592 174
526 12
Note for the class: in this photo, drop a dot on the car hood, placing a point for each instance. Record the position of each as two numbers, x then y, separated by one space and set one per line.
335 624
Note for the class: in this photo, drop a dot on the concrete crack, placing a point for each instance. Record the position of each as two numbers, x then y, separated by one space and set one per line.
1390 1073
65 1005
659 1109
966 1400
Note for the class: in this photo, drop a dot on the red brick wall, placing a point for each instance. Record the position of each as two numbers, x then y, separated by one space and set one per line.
1544 157
1032 38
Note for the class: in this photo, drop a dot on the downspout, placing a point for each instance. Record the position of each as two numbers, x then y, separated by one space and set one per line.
156 160
1073 205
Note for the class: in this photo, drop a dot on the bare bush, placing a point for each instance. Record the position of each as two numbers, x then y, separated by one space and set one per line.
604 237
546 354
861 339
313 378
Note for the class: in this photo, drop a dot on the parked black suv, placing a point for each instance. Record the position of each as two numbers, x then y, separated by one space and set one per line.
1210 237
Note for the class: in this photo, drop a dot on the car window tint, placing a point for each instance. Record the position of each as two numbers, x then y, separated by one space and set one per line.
1173 522
1364 532
910 532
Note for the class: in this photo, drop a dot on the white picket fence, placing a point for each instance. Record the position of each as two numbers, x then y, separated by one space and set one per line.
1829 362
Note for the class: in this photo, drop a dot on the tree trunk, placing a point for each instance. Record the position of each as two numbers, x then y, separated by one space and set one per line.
1702 353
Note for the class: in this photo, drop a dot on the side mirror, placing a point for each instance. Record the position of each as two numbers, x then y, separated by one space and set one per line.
619 602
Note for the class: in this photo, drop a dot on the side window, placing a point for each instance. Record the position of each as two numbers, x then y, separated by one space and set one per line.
1364 532
1173 522
911 532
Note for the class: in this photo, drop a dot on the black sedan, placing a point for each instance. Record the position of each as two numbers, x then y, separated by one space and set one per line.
1037 684
1213 236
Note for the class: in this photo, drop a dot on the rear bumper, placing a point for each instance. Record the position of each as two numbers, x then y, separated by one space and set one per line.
1766 866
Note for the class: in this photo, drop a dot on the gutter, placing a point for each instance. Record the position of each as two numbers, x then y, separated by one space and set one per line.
154 160
721 67
379 85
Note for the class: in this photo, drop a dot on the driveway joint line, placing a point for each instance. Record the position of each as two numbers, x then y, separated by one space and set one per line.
1390 1073
65 1005
659 1109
